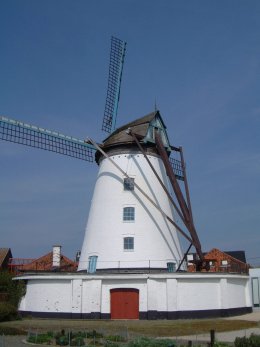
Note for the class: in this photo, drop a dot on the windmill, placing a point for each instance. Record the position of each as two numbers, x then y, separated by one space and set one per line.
131 221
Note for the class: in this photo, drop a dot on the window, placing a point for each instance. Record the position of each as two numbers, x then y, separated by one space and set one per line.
171 267
128 214
129 183
128 243
92 264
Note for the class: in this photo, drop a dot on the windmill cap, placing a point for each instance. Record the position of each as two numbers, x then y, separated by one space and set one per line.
121 140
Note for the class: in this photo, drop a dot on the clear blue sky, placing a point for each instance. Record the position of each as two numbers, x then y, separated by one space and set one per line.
198 59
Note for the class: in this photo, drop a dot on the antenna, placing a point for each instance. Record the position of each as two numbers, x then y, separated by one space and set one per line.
117 56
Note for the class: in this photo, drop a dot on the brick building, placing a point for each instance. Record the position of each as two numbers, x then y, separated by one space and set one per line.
52 261
5 256
219 261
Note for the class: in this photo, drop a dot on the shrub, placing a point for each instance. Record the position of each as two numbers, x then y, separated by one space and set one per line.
116 338
95 343
11 331
15 290
78 341
147 342
241 342
62 340
94 333
73 335
111 344
41 338
254 340
7 312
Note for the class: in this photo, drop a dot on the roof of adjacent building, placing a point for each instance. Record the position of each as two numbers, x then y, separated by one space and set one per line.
237 255
45 263
4 252
240 255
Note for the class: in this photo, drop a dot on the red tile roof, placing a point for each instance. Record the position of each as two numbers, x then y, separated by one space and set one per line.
44 263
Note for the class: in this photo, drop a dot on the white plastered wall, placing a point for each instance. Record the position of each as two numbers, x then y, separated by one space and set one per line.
155 239
167 293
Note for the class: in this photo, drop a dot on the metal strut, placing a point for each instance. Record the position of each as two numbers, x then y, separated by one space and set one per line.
130 132
186 210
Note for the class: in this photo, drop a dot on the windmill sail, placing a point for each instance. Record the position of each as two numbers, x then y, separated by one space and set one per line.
33 136
117 56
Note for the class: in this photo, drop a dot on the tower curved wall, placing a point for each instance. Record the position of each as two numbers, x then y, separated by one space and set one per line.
155 240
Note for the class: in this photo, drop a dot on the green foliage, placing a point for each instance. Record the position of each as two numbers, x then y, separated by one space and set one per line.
15 290
11 331
93 334
77 341
41 338
111 344
220 344
116 338
62 340
95 343
77 334
147 342
252 341
7 312
241 342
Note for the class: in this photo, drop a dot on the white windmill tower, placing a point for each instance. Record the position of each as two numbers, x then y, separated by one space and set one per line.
125 230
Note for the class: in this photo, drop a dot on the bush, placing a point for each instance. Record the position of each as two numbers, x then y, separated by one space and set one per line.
94 333
41 338
254 340
116 338
95 343
220 344
147 342
111 344
78 334
11 331
7 312
62 340
78 341
242 342
15 290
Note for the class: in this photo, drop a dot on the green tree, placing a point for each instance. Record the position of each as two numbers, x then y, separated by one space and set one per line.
12 292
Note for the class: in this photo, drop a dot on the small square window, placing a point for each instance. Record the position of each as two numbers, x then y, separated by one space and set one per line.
129 183
129 214
128 243
171 267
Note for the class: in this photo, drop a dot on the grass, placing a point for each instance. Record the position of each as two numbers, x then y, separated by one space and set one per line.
158 328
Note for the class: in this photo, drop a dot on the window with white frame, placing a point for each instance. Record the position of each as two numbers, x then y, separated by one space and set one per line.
128 243
171 266
92 264
128 214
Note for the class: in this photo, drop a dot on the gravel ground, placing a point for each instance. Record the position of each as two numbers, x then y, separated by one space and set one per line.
12 341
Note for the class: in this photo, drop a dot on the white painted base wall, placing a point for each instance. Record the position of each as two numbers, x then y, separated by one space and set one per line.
176 295
255 283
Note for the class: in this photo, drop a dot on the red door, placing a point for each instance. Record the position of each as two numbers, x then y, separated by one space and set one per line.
124 303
